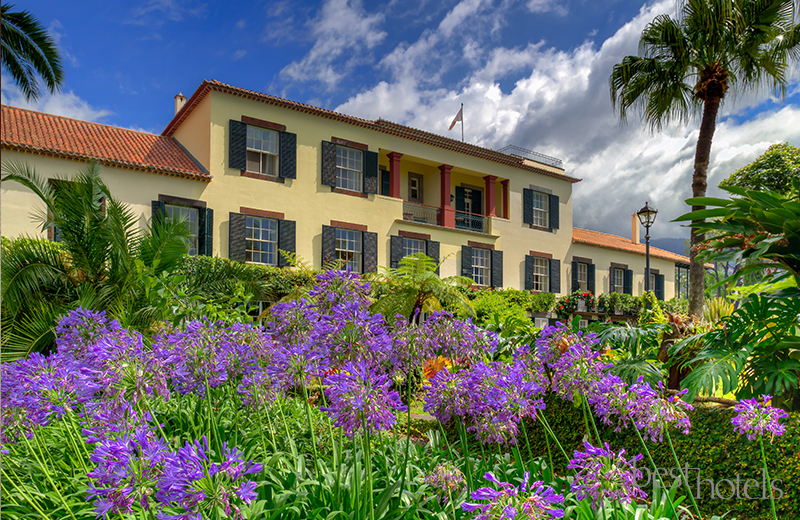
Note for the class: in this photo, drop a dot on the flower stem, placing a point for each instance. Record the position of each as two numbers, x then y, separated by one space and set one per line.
47 475
550 432
683 477
766 473
655 469
311 429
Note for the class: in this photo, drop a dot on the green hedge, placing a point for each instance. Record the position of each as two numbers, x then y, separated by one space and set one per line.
712 446
504 303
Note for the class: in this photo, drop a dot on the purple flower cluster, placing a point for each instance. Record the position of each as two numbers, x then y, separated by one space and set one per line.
577 370
140 470
667 412
458 340
603 474
361 398
755 419
447 480
531 500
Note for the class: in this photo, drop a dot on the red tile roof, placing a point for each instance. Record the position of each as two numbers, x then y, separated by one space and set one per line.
380 125
46 134
606 241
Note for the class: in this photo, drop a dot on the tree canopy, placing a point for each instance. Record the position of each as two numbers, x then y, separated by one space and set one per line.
772 171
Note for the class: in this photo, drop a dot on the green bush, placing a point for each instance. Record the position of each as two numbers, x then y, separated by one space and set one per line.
676 306
505 303
711 446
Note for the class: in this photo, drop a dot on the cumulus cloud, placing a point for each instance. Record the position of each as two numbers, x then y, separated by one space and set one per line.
342 30
559 104
66 104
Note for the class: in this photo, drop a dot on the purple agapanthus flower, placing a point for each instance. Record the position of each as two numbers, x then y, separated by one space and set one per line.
577 370
555 340
755 419
447 396
447 480
603 474
667 412
360 396
351 333
336 286
295 364
617 403
532 500
258 391
456 339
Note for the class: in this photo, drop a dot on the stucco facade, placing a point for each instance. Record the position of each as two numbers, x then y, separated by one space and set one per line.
498 189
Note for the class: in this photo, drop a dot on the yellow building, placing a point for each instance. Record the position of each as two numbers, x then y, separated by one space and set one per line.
253 173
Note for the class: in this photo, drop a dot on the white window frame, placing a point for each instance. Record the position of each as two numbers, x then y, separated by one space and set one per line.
681 282
583 277
350 248
653 277
619 280
267 150
257 238
541 209
541 274
481 266
349 168
540 323
193 225
413 246
582 324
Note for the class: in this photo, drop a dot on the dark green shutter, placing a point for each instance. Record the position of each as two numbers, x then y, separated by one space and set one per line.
497 268
432 250
328 163
237 145
575 283
590 278
553 211
555 276
370 172
477 202
660 286
288 158
460 195
237 229
385 183
527 206
466 261
206 232
328 244
370 241
287 239
530 264
158 210
627 282
395 251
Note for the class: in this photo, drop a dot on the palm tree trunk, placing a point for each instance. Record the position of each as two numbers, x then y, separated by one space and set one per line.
697 272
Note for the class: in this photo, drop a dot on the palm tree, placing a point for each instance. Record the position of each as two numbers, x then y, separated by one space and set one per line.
414 287
689 63
28 51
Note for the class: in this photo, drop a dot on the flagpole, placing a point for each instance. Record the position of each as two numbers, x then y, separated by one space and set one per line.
462 122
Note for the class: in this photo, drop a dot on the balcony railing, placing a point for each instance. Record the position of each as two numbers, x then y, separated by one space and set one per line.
472 221
421 213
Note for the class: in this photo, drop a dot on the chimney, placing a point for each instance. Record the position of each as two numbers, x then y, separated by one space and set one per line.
634 228
180 100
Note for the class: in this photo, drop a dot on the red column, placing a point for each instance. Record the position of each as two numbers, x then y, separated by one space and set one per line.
490 197
448 213
504 184
394 174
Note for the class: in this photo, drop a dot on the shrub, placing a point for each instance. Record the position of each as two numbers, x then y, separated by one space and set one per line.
507 302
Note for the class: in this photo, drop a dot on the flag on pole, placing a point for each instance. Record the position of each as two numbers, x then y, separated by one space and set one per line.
459 117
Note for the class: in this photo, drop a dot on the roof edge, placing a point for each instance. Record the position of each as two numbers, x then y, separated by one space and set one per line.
654 251
379 125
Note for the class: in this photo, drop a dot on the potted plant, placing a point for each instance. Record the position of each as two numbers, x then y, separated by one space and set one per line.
607 303
585 299
565 306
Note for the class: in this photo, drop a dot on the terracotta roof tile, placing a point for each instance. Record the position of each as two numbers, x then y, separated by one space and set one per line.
606 241
380 125
46 134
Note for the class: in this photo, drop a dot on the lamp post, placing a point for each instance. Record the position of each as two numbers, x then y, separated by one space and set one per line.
647 216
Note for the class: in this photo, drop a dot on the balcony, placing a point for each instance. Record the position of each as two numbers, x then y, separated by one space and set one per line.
416 212
472 222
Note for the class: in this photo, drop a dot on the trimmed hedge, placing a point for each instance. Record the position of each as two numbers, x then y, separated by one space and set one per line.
712 446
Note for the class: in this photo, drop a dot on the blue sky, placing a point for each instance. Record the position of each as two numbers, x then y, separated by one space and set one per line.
533 73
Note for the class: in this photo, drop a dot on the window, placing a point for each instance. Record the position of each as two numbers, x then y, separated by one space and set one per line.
190 217
583 277
652 281
541 209
481 266
583 324
261 240
541 274
263 149
618 280
349 168
349 248
412 246
415 187
682 281
540 323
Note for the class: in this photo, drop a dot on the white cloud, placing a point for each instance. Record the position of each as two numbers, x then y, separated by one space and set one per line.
340 27
238 55
241 24
58 33
158 12
545 6
61 104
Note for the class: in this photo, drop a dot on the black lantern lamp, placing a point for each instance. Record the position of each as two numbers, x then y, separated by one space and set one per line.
647 216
